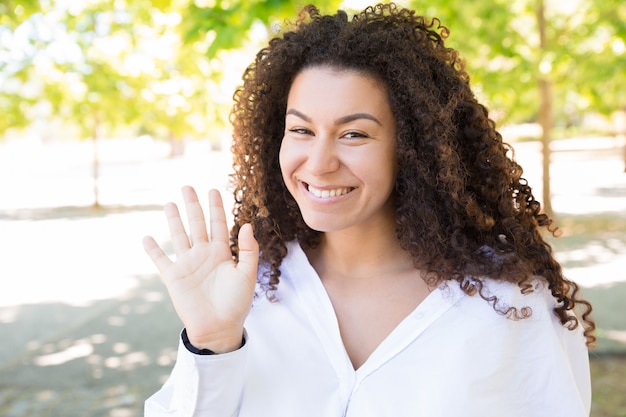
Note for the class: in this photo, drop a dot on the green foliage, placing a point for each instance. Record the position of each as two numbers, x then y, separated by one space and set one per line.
500 42
92 63
13 12
227 23
156 64
601 66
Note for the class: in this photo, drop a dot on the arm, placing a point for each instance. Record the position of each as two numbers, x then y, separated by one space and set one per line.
201 385
212 295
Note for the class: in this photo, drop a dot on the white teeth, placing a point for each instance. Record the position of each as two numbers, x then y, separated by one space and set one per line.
328 193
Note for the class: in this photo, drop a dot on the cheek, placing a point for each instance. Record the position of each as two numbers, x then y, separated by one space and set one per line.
388 170
284 160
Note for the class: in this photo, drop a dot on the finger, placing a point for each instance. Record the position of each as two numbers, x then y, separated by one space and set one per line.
156 254
248 252
180 241
219 229
195 216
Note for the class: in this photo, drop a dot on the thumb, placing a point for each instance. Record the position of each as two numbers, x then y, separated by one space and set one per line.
248 252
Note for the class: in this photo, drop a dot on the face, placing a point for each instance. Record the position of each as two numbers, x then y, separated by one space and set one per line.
338 153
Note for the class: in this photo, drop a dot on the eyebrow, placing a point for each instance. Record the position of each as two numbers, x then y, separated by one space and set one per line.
341 120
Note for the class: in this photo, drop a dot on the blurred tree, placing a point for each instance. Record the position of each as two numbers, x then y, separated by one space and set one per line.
94 63
13 12
227 23
175 93
14 105
14 101
98 90
600 71
538 59
156 64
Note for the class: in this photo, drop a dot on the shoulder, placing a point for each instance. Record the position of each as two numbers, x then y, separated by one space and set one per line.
509 300
503 317
501 313
537 352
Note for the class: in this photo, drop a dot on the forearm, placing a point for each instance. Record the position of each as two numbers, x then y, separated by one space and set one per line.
201 385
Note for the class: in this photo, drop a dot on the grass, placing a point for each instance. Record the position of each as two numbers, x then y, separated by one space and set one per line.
608 378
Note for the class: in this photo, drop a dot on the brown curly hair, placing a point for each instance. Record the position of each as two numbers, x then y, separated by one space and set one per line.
463 208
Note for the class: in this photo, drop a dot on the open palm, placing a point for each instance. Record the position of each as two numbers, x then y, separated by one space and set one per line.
212 294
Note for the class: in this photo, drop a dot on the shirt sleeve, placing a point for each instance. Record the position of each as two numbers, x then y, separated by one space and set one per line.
577 356
561 377
201 385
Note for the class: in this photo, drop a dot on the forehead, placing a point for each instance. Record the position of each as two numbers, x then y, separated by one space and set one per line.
333 89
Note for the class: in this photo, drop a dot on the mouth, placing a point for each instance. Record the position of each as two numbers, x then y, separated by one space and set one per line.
328 193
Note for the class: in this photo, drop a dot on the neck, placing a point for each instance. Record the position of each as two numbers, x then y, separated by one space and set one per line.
362 256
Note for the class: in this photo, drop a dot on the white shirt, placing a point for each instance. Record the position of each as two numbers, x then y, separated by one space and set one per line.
453 356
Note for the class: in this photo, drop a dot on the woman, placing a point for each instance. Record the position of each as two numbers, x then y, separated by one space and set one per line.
393 247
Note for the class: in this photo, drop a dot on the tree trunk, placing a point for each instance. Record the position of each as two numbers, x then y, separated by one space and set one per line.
545 111
620 131
177 146
96 160
545 117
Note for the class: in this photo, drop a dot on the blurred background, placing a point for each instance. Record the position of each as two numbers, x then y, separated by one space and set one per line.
109 107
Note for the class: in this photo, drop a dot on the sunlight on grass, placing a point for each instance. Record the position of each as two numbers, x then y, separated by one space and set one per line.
609 387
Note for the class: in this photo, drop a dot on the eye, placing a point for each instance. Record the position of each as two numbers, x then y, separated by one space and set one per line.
300 131
355 134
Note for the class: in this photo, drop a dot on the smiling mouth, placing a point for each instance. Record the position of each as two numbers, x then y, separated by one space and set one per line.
335 192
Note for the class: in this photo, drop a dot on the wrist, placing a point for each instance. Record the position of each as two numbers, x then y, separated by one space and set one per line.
213 345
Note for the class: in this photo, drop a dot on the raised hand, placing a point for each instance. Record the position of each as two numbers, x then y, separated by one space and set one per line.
211 293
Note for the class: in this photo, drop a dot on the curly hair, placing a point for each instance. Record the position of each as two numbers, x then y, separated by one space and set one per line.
464 210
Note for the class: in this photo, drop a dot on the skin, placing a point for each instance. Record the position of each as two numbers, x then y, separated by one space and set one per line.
211 295
339 139
340 135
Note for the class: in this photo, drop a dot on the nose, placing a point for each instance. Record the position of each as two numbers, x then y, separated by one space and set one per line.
322 156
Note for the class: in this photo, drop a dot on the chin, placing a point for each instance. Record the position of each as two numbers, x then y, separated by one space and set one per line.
324 225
